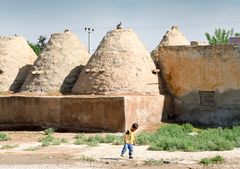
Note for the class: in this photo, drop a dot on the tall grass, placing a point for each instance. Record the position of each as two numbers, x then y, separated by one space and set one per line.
173 137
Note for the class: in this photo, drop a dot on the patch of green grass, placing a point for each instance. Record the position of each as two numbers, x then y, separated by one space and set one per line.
215 160
88 159
80 139
49 131
9 146
4 137
153 162
174 137
96 139
46 141
50 140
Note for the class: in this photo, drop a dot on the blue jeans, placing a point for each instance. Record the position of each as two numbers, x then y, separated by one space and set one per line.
130 149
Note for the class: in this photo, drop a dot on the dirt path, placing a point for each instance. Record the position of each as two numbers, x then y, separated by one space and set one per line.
28 154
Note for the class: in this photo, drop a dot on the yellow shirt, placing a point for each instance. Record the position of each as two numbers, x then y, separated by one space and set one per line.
129 137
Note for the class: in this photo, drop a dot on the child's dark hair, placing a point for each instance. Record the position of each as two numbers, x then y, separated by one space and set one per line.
135 125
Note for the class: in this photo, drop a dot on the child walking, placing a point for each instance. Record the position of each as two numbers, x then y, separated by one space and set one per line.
129 140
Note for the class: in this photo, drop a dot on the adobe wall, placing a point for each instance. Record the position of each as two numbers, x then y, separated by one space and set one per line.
187 70
146 110
76 113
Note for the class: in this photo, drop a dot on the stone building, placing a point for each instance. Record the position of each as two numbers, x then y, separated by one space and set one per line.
58 66
174 37
120 65
204 82
16 58
117 87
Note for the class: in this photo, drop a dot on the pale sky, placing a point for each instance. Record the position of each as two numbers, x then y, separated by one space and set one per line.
149 18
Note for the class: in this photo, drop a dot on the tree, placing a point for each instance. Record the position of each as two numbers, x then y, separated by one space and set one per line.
35 48
220 36
41 41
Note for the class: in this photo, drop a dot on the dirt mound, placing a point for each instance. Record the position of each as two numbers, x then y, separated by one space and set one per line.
16 58
58 66
120 65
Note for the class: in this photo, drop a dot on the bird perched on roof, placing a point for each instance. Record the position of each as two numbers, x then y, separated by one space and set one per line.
119 26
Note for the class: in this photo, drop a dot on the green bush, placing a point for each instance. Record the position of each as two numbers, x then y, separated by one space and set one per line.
4 137
237 142
46 141
80 139
49 131
172 144
50 140
187 128
144 138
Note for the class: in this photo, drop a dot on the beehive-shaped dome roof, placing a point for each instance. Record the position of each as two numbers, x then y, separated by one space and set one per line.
120 65
15 58
58 66
174 37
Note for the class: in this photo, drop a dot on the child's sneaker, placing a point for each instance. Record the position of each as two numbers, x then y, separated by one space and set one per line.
131 157
122 155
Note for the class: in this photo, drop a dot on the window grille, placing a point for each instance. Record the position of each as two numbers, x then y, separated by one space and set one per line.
207 98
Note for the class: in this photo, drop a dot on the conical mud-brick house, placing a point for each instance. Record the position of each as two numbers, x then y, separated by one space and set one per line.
58 66
16 57
174 37
120 65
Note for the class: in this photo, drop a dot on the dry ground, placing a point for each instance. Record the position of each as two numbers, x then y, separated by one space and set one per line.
28 154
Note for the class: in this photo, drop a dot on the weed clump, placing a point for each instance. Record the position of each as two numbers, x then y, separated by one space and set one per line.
49 131
4 137
50 140
153 162
215 160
